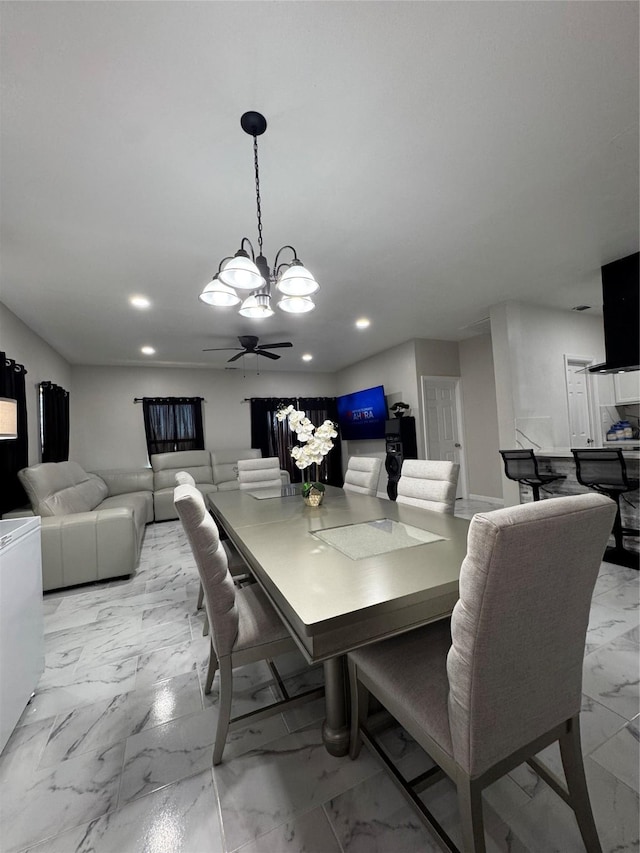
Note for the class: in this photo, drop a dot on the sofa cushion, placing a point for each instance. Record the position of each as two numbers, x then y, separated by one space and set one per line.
195 462
138 502
163 506
225 465
61 488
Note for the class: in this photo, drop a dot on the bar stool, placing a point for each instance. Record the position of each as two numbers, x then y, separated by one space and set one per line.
605 471
522 466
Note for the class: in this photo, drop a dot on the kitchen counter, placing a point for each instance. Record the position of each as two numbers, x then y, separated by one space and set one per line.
630 450
560 459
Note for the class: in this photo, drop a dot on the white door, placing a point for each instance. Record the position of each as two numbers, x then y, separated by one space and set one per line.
579 402
443 424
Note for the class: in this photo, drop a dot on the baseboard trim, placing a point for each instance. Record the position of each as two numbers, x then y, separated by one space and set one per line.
487 499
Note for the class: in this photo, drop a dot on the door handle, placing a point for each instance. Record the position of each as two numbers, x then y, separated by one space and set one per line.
457 445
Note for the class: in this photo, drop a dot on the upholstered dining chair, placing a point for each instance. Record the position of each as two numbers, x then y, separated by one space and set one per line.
237 565
362 475
429 484
259 473
244 626
503 679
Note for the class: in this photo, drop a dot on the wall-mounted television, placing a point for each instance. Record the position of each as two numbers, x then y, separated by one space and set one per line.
362 415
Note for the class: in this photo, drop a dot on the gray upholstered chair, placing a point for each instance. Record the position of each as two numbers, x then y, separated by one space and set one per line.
237 565
259 473
362 475
503 679
429 484
244 626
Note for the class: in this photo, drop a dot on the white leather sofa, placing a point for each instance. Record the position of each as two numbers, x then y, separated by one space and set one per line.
165 466
92 526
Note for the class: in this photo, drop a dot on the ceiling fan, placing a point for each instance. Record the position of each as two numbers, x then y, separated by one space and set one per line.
249 346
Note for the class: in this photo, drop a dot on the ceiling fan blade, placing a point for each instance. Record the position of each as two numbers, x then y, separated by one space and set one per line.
219 349
275 346
236 357
267 354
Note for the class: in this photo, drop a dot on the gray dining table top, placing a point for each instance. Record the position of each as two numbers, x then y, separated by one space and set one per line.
333 602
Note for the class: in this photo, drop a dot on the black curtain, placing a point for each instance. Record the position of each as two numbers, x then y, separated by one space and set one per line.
318 410
173 423
14 453
274 438
270 435
54 408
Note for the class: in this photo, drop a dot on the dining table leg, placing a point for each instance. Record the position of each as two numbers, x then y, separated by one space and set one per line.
335 729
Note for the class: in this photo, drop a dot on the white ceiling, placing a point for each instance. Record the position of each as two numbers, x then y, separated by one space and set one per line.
427 160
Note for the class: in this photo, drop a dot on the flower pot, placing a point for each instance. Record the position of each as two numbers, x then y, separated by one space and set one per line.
314 497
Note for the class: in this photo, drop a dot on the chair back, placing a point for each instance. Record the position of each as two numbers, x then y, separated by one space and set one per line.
362 475
211 559
518 630
428 484
520 464
601 467
184 478
259 473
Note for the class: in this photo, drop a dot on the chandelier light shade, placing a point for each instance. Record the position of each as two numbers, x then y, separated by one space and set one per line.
217 293
246 278
8 418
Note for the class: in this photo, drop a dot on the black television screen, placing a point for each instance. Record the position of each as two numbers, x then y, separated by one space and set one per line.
363 414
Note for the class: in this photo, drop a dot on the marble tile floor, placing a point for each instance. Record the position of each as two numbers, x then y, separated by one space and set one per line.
114 751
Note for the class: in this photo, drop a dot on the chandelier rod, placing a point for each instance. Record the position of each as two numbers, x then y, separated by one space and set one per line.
258 199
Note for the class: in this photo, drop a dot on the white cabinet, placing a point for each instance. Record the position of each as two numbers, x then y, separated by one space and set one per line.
627 387
21 630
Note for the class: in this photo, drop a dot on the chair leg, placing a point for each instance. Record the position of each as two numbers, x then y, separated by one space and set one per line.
359 701
471 819
224 707
536 492
571 752
205 627
200 597
211 669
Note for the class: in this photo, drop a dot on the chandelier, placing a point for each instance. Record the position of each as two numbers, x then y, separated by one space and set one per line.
246 279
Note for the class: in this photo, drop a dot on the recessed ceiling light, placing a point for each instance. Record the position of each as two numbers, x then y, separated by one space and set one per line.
363 323
307 357
147 350
139 301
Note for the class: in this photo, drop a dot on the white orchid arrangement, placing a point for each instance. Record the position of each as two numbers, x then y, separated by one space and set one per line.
315 442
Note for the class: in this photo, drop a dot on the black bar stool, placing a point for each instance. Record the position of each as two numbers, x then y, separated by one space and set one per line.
522 466
605 471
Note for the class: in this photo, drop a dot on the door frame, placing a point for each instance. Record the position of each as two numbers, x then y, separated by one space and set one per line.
593 408
463 480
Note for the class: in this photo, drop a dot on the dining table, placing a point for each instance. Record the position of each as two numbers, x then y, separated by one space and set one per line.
352 571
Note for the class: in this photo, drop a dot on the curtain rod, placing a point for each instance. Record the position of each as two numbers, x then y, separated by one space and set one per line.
141 399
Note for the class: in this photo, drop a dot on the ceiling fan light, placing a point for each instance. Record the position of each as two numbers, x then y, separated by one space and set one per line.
297 281
296 304
219 294
241 273
257 306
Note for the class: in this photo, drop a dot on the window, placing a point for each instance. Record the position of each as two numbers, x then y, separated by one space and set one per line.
274 438
173 423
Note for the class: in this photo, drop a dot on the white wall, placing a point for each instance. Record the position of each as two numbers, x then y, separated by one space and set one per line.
107 429
481 417
529 345
43 364
398 369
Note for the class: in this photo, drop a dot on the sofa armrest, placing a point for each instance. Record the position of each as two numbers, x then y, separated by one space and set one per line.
123 482
88 546
284 476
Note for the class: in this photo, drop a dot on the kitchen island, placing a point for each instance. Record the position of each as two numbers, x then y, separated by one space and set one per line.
560 459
